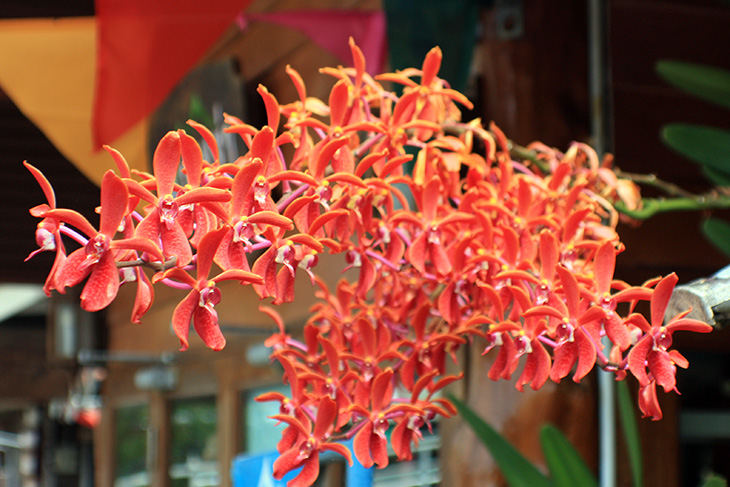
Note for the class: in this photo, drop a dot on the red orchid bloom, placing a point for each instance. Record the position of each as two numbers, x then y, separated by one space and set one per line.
47 234
370 444
96 258
651 351
430 243
145 291
408 429
244 226
313 439
427 351
434 98
576 342
199 304
296 251
161 224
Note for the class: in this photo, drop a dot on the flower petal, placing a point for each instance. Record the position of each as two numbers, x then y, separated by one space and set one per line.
586 354
361 446
660 298
103 284
182 315
165 163
114 198
637 359
206 326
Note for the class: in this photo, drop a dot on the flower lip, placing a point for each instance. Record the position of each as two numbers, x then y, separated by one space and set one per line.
168 209
94 249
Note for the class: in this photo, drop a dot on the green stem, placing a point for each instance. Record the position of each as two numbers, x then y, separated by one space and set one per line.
652 206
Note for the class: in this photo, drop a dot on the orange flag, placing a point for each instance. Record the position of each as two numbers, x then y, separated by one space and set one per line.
47 68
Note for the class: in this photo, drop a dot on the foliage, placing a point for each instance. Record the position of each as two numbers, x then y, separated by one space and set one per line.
511 248
565 465
707 146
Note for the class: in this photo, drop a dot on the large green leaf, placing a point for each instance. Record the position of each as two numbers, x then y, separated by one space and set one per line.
627 413
706 82
567 468
718 178
714 481
518 471
718 232
708 146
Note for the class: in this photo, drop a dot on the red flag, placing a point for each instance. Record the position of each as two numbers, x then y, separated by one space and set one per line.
145 48
331 29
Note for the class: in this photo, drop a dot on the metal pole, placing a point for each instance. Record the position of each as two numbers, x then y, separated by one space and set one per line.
600 129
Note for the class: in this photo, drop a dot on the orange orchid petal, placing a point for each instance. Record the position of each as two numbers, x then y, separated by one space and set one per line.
199 195
326 154
604 266
192 158
206 250
144 297
165 162
298 82
586 354
43 183
361 446
114 197
660 298
242 184
564 357
431 66
263 143
182 315
570 290
549 255
662 369
637 359
72 218
648 402
208 137
140 245
174 241
207 328
325 218
338 103
102 286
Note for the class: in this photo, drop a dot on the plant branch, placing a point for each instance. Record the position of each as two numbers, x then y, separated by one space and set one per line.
156 266
653 206
670 189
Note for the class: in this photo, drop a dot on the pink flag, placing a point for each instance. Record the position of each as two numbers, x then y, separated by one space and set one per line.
331 29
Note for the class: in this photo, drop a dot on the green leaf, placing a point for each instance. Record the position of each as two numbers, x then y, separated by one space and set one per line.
718 232
706 82
567 468
718 178
714 481
705 145
627 413
518 471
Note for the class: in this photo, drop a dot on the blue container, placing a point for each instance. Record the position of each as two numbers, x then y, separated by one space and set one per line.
256 470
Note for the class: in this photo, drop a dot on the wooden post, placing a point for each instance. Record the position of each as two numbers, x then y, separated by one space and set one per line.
229 417
159 441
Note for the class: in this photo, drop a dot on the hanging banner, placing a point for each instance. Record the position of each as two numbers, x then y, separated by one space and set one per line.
145 49
331 30
47 68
